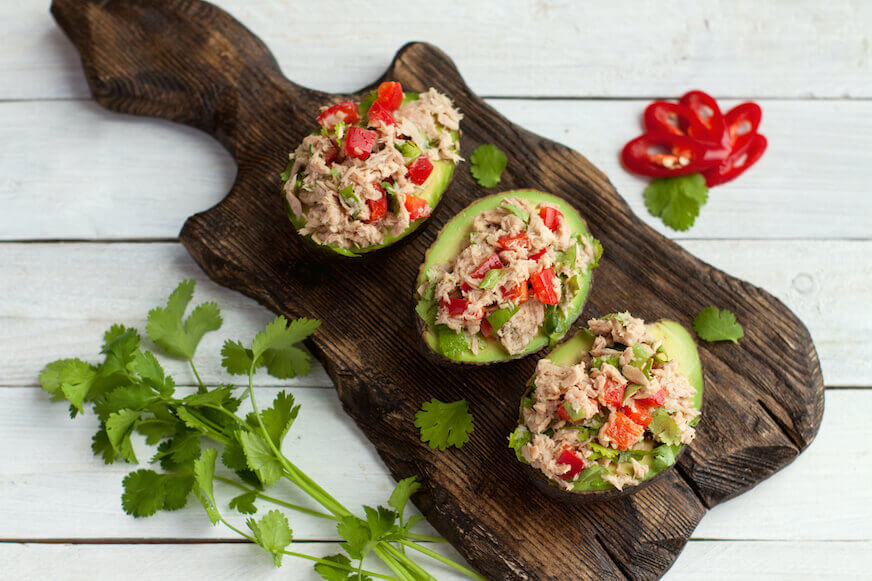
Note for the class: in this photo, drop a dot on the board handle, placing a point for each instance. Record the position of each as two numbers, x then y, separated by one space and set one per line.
182 60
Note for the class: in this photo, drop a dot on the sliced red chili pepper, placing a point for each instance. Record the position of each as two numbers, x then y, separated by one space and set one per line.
417 207
486 328
738 161
575 462
707 112
514 242
359 142
520 293
378 113
455 307
420 169
491 262
655 400
742 122
346 111
538 255
683 155
377 208
543 286
639 414
661 116
390 95
551 217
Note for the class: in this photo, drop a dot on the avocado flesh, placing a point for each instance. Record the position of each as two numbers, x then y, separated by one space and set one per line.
451 240
432 192
679 346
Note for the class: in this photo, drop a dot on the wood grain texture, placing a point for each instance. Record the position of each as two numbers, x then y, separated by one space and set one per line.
190 62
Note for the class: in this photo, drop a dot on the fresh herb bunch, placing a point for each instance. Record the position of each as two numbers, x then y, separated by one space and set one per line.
130 392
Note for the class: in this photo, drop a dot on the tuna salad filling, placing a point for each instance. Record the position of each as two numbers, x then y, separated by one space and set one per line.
363 177
519 269
624 409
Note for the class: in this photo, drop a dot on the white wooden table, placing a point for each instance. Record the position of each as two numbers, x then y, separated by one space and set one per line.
91 204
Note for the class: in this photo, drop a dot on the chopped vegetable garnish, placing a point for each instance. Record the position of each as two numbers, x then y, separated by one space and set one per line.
390 95
359 142
420 170
543 286
551 217
344 112
488 163
490 279
417 207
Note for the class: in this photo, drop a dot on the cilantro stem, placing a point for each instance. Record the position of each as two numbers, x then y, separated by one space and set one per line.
197 375
442 559
276 501
425 538
336 565
389 560
402 558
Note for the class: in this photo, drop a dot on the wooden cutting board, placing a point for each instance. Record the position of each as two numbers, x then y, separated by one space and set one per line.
190 62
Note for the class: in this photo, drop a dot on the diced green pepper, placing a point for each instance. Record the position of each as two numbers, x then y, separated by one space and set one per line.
602 452
555 323
351 200
491 278
452 343
517 211
630 390
501 316
574 415
595 422
409 150
597 362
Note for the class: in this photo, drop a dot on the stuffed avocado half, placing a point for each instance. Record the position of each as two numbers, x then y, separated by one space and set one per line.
610 409
506 277
373 171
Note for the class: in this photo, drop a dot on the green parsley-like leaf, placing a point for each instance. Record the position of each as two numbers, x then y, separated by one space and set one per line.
444 424
234 456
279 418
403 491
519 438
380 520
260 458
357 536
664 427
165 325
244 503
69 378
488 163
276 348
144 493
677 200
712 324
236 359
273 533
146 365
664 456
204 475
335 573
101 446
119 426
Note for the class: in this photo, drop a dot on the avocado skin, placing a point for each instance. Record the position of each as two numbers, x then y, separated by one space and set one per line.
443 181
540 341
679 345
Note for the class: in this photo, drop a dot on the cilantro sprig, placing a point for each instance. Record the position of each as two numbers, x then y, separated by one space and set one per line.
131 395
488 163
713 324
677 200
444 424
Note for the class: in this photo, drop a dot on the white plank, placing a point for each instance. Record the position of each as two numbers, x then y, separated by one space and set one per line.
56 300
105 176
160 562
821 496
620 48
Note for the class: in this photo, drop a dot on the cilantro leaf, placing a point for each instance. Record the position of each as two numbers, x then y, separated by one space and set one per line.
244 503
276 348
278 419
664 456
144 493
335 573
664 427
146 365
519 438
712 324
165 325
260 457
204 474
356 532
215 396
379 520
119 426
677 200
403 491
236 359
178 487
69 378
273 533
181 449
488 163
133 396
234 456
444 424
101 446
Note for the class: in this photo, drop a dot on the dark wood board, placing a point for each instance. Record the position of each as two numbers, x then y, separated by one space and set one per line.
190 62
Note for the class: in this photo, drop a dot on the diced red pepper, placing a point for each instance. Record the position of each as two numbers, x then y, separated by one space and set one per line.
742 122
679 155
543 286
538 255
514 242
346 111
486 328
455 307
563 414
623 431
359 142
664 117
613 394
491 262
655 400
378 113
417 207
712 127
551 217
379 207
520 293
737 163
330 153
465 287
638 413
390 95
576 462
420 169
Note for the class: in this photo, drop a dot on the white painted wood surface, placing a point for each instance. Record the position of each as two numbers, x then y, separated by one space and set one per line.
109 176
798 225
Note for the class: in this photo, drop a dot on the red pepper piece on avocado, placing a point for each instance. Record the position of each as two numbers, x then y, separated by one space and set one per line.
377 208
455 307
520 293
639 414
390 95
623 431
551 217
543 286
575 462
359 142
613 394
514 242
378 113
491 262
655 400
417 207
346 112
420 169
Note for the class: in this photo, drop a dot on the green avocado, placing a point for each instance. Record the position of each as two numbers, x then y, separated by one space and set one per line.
451 240
678 345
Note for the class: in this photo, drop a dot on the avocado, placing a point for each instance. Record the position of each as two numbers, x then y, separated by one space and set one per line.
679 345
450 241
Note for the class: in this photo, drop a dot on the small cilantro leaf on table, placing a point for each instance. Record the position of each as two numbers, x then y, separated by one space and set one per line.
712 324
273 533
144 493
488 163
677 200
444 424
177 338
